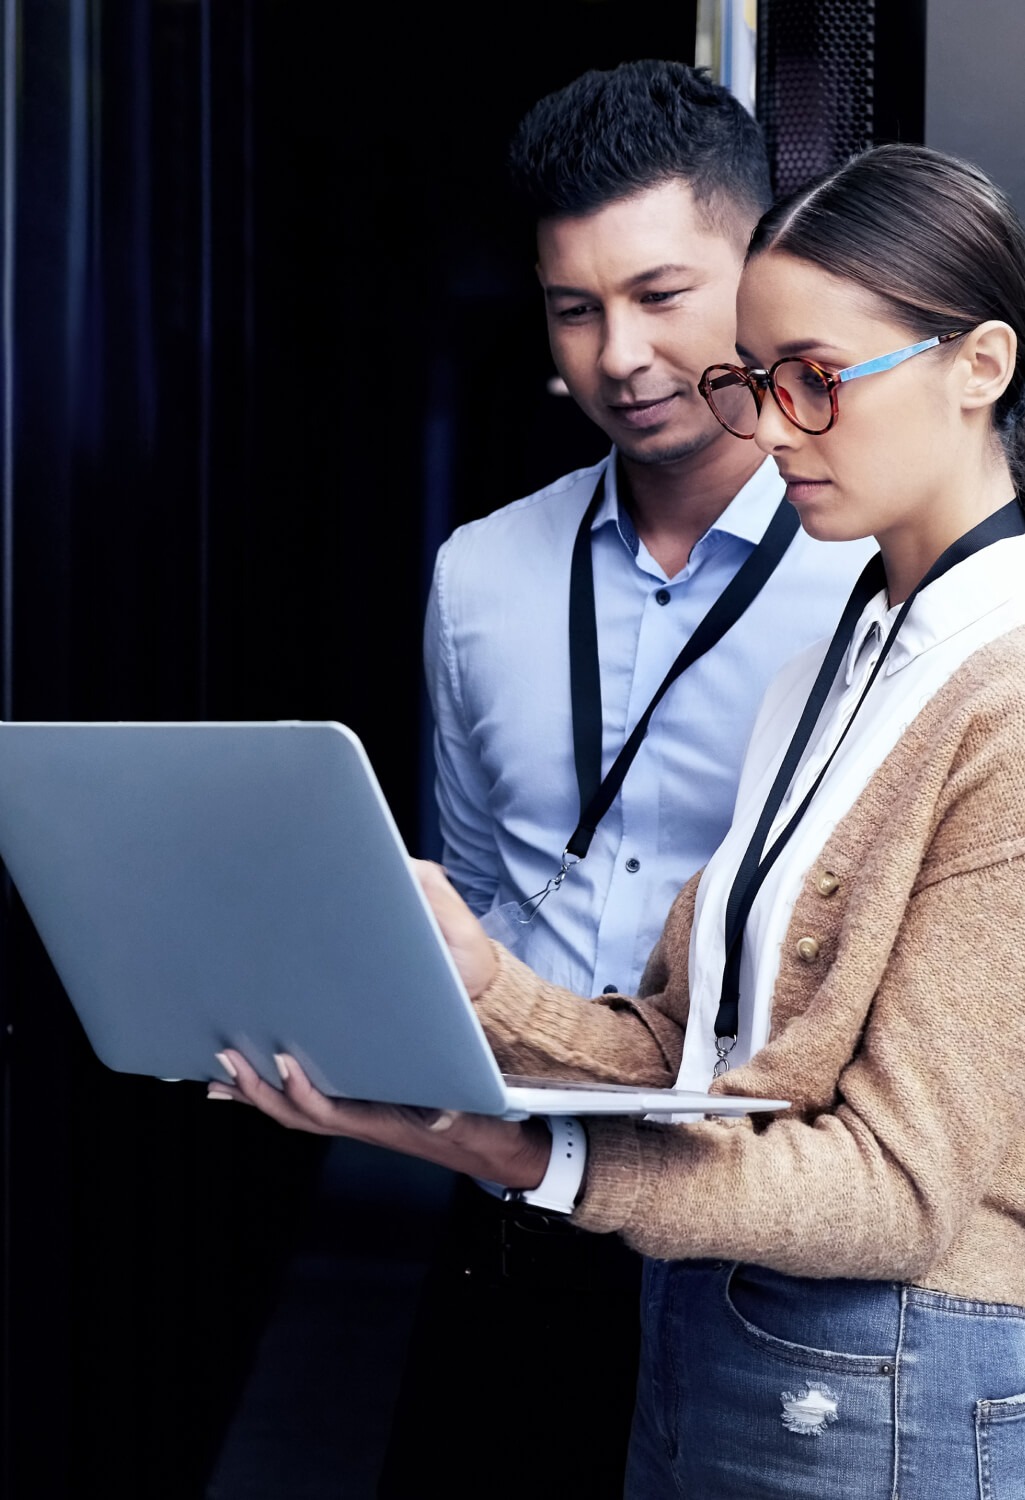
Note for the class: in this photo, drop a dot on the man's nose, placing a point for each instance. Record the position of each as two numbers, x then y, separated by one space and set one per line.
626 347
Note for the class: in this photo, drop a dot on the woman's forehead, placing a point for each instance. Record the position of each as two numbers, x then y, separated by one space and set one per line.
784 300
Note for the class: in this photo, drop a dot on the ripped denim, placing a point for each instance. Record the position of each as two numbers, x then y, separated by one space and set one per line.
759 1386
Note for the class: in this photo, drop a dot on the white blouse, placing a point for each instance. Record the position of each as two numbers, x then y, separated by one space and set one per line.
973 603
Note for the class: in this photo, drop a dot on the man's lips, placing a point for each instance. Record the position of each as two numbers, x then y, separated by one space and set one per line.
640 414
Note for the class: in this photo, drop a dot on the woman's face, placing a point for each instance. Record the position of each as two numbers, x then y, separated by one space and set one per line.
883 467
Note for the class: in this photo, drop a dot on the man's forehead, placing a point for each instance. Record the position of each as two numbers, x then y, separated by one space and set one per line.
658 227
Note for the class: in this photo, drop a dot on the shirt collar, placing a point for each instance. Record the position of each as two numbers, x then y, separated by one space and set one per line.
752 507
966 593
746 516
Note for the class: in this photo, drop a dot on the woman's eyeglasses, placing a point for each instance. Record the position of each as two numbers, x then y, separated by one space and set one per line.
804 392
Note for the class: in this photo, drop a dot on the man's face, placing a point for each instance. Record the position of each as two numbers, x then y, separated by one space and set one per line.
641 298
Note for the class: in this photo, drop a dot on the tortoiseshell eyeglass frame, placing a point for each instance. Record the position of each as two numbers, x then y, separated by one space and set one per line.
758 381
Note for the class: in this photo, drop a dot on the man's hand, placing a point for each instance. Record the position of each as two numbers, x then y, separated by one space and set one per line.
512 1153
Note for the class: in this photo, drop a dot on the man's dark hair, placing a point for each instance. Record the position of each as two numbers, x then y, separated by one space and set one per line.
610 134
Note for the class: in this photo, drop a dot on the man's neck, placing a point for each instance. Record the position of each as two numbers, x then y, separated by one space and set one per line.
673 505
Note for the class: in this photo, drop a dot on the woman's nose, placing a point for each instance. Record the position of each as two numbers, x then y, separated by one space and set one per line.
773 431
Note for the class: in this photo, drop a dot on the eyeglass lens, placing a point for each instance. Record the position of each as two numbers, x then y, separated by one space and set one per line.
801 390
732 400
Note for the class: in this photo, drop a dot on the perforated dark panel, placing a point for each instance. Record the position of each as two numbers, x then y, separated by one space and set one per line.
816 84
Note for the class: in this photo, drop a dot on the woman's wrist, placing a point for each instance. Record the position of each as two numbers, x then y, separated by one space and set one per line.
486 970
559 1186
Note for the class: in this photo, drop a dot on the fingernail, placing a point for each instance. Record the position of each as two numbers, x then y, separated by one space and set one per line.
282 1066
227 1064
444 1120
216 1093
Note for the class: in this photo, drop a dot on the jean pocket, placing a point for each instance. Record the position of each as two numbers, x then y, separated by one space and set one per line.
1000 1445
747 1409
803 1322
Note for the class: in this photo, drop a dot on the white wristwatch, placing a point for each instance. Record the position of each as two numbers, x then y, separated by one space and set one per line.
560 1186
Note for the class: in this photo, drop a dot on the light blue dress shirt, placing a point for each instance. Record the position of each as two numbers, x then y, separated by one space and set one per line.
497 661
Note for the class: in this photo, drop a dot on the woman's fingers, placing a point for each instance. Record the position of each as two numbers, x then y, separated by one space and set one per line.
485 1146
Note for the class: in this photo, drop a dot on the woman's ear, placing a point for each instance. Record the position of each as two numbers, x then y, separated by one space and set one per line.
990 351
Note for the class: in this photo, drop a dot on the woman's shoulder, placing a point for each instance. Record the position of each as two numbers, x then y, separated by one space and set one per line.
964 753
990 682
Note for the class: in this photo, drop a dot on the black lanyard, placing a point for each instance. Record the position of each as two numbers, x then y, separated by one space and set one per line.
1006 522
596 794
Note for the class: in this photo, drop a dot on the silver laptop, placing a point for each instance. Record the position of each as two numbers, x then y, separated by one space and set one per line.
202 885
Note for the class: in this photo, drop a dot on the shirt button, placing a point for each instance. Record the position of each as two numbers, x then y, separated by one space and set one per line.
611 989
663 596
826 882
633 865
808 949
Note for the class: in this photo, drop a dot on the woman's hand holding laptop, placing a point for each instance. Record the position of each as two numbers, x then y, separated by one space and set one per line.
513 1153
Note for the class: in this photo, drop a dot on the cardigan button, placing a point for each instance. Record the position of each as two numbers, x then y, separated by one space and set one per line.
826 883
808 949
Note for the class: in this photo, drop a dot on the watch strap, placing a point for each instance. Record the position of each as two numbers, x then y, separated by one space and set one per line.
559 1188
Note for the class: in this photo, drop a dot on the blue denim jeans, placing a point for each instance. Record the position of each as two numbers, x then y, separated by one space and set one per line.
758 1386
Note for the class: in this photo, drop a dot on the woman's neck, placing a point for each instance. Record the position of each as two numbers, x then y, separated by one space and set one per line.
909 551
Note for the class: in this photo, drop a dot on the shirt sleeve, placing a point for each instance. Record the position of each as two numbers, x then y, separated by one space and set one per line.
469 850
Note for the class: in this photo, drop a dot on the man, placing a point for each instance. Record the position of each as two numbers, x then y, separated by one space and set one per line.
645 182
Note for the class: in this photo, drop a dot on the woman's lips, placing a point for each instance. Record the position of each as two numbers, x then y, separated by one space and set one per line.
641 414
800 491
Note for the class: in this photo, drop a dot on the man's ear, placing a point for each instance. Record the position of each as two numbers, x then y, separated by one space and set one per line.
990 351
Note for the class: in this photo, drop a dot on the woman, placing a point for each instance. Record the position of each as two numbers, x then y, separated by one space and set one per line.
835 1296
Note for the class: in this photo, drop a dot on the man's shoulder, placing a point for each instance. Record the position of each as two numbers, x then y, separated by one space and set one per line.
550 511
521 550
831 561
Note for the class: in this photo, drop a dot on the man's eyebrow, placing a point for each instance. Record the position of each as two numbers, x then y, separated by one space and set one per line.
641 278
551 292
657 272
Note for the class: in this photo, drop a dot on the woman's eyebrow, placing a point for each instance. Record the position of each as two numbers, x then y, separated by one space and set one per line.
796 346
801 346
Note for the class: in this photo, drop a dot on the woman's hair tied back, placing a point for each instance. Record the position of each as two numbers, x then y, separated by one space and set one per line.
931 237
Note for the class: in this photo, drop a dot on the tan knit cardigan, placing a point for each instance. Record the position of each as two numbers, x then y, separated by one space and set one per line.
898 1033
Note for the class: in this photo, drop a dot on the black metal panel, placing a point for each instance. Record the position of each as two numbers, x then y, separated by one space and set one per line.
835 77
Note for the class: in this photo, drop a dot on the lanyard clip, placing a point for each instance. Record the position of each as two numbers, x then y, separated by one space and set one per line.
533 903
724 1045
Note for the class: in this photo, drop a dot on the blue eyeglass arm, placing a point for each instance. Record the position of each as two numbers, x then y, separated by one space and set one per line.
887 361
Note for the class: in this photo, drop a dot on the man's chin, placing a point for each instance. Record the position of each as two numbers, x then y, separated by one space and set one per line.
666 452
